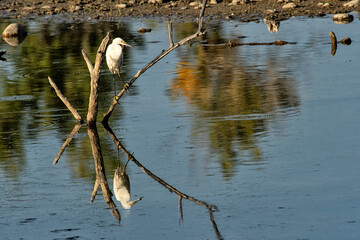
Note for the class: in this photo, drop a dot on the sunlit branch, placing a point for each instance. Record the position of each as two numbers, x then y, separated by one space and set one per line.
95 78
67 142
96 186
170 34
333 43
172 189
155 60
65 101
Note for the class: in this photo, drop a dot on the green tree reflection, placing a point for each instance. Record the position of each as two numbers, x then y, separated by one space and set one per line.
27 102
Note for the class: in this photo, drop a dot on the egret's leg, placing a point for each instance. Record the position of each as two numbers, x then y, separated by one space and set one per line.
126 85
132 203
121 78
114 84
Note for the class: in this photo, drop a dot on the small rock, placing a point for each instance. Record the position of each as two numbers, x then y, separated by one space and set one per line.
290 6
75 8
155 1
271 11
215 1
326 5
45 7
121 5
196 3
343 18
14 30
352 3
237 2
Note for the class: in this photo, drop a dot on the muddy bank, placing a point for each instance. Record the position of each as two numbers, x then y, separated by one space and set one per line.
244 10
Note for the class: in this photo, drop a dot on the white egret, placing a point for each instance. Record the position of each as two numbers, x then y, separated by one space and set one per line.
121 185
115 56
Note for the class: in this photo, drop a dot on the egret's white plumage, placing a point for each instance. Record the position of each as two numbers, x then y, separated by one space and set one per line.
121 184
115 56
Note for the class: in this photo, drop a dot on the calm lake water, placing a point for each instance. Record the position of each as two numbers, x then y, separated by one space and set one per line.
269 134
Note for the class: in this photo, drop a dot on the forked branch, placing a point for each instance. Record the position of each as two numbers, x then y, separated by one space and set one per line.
173 46
95 78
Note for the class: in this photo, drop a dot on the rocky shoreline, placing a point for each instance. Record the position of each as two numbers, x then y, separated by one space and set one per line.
243 10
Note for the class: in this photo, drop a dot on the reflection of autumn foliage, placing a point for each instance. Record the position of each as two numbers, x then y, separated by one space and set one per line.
236 101
185 82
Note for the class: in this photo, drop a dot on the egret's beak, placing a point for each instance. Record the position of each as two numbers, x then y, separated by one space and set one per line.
126 44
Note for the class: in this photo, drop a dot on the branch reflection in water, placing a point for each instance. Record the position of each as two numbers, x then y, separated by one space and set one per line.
99 167
100 173
121 182
181 195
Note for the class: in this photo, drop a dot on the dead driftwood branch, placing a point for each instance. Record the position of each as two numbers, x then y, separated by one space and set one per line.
94 92
181 195
333 43
170 30
277 43
95 78
67 142
65 101
155 60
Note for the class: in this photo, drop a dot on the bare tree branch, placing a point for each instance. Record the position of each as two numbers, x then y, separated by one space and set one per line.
181 214
88 62
95 78
65 101
67 142
154 61
96 186
170 34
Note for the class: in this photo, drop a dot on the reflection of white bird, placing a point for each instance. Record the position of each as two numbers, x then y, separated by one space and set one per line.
115 56
272 26
121 186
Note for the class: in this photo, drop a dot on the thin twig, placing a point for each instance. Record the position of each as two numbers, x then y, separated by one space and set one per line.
88 62
154 61
181 215
65 101
170 34
96 186
67 142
